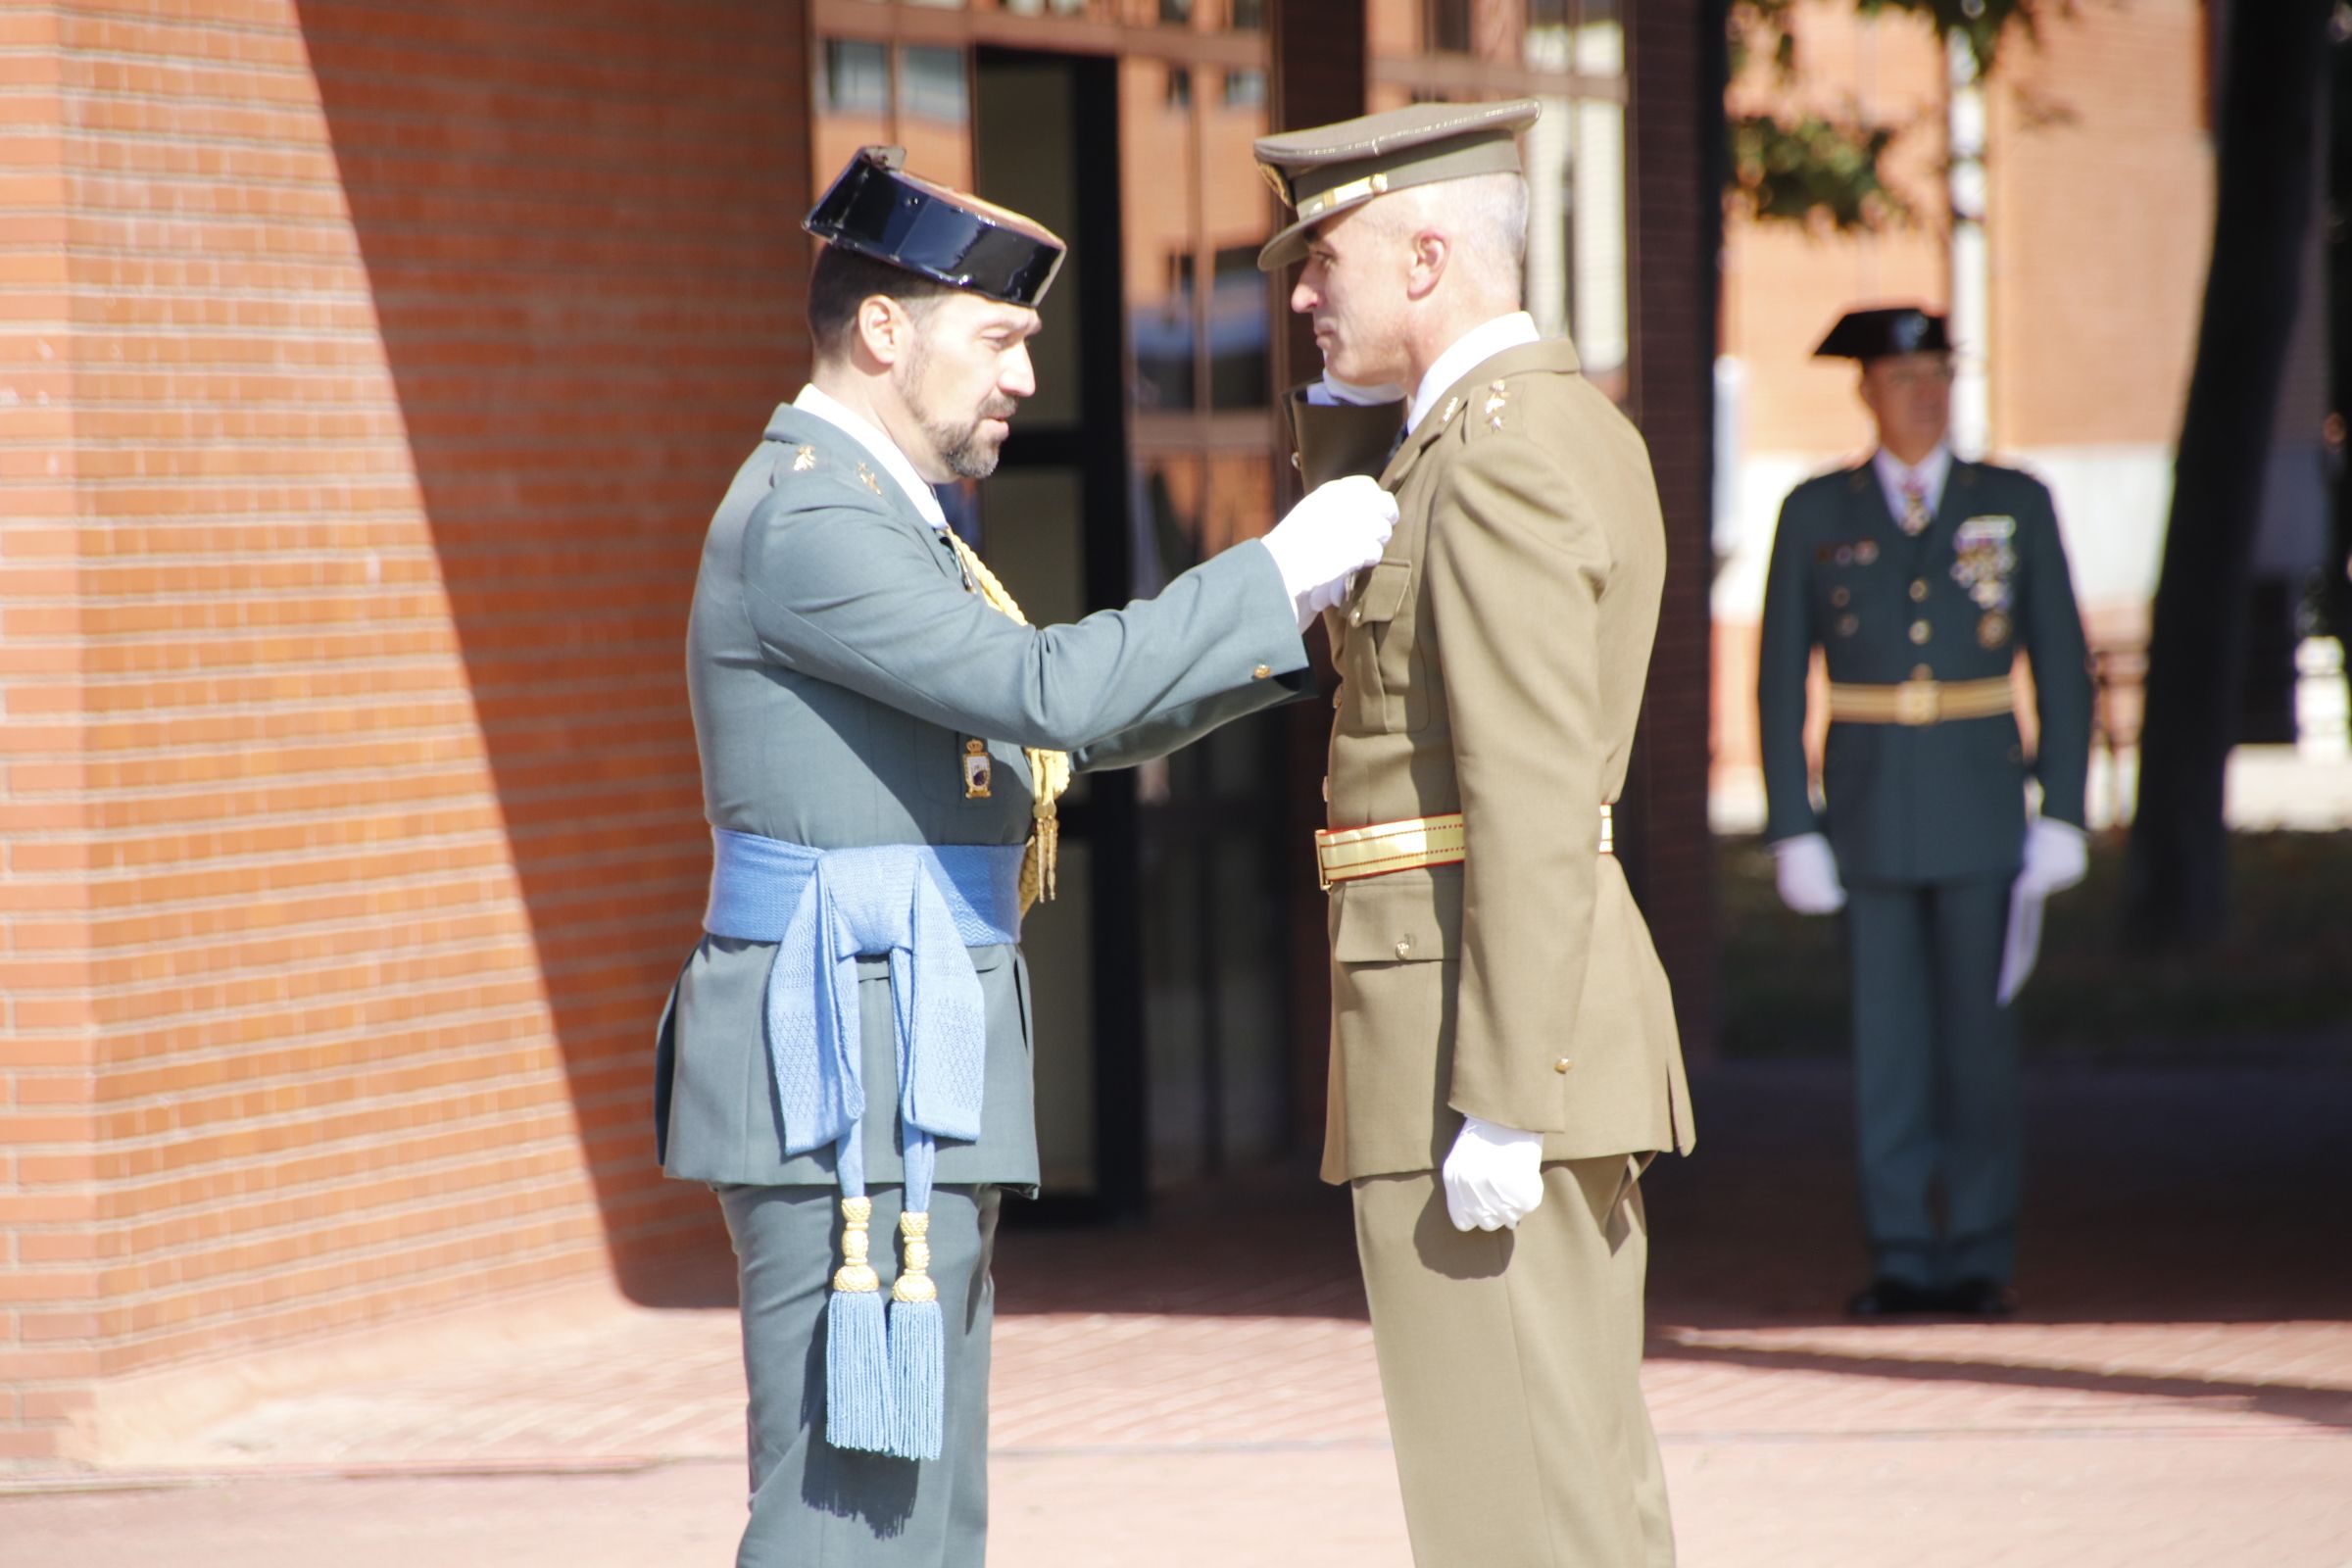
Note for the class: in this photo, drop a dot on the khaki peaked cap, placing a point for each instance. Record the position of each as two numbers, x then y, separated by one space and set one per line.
1329 168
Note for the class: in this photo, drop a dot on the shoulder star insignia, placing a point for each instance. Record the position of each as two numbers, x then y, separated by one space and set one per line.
1497 394
803 460
868 476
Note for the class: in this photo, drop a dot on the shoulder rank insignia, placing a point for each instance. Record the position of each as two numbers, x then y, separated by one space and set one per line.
803 460
977 770
1497 394
1453 406
866 475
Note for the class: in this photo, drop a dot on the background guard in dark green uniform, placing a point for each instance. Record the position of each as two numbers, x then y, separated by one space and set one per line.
1920 577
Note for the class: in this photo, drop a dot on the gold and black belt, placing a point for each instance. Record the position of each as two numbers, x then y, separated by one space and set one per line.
1914 702
1348 854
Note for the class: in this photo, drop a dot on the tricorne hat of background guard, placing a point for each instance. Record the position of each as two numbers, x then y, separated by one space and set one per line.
1882 331
1330 168
876 209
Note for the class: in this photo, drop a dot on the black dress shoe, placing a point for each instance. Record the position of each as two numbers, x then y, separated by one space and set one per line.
1981 1298
1892 1297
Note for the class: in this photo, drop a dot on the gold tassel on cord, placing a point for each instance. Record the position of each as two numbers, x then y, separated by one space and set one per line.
1049 771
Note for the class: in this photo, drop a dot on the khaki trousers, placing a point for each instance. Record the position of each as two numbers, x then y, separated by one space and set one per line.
1511 1365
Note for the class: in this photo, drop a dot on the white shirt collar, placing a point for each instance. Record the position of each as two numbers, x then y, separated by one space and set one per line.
1471 350
830 409
1931 472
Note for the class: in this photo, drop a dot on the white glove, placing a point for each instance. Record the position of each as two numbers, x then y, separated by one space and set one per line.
1493 1176
2057 855
1331 389
1337 530
1806 870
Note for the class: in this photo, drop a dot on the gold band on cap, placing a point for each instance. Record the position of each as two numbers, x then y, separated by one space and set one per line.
1314 206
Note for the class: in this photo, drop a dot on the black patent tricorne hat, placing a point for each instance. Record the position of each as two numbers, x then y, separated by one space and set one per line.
1881 332
877 209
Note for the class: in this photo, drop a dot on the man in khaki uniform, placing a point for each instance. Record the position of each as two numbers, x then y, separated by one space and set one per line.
1504 1061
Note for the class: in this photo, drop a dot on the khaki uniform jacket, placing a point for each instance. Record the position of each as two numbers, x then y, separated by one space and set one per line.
1493 664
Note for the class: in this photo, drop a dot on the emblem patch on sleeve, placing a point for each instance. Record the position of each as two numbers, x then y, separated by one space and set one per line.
978 770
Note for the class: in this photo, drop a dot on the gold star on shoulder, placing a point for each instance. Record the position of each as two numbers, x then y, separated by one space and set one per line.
1497 394
803 460
866 474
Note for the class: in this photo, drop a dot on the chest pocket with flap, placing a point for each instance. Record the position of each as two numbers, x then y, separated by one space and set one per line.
1379 658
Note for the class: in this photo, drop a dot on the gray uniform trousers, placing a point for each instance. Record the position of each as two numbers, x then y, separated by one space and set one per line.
1936 1079
817 1506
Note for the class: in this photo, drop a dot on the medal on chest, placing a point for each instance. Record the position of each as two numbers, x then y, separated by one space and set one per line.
1984 564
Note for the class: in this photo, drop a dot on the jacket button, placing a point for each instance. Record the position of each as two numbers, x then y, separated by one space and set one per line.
1919 590
1356 617
1563 1065
1921 631
1261 673
1923 672
1404 947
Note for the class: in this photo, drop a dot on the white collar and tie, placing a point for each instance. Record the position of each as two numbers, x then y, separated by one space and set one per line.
1470 351
1914 493
839 415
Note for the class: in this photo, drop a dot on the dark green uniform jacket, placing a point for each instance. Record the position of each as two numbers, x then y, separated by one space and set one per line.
1929 802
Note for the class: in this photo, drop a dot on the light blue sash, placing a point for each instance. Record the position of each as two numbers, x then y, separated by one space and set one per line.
923 907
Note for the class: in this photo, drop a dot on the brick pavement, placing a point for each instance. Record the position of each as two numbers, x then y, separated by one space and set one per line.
2179 1392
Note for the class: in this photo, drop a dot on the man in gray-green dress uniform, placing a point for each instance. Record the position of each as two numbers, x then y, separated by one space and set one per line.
1921 577
845 1053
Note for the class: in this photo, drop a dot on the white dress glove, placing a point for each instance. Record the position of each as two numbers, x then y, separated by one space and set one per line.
1493 1176
1337 530
2057 855
1806 870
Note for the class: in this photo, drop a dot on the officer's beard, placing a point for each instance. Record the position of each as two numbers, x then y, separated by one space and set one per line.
968 450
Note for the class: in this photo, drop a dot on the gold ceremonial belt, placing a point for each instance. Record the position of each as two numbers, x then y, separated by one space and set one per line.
1360 852
1920 702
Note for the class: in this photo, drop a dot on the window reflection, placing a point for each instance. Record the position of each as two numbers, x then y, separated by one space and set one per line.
1448 25
1597 236
918 98
1239 360
854 77
1157 156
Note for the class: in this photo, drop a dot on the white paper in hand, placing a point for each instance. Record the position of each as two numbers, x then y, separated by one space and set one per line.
2025 942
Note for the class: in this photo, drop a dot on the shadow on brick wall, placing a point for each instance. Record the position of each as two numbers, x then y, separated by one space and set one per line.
580 228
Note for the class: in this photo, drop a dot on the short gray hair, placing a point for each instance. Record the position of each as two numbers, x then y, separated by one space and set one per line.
1484 215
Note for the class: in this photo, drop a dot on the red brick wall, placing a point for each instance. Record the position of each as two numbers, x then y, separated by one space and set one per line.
366 375
2101 216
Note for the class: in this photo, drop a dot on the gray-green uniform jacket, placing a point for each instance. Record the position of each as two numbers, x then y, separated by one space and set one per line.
837 662
1931 802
